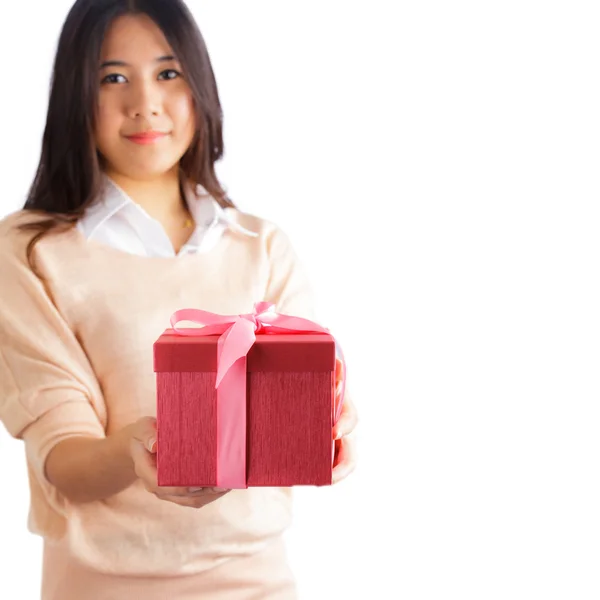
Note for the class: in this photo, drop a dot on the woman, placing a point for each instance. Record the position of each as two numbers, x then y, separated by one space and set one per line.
125 223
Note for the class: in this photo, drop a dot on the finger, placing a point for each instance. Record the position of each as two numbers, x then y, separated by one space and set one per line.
346 460
191 501
182 500
182 492
207 490
339 370
189 492
145 468
339 376
347 421
145 432
144 464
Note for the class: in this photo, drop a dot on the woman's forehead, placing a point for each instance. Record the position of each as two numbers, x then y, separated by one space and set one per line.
134 39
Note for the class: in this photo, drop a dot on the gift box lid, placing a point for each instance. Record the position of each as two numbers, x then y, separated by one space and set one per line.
271 352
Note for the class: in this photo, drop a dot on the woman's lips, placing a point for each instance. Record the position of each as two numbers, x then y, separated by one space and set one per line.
146 138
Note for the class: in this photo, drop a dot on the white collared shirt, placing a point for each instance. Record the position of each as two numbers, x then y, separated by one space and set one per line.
117 221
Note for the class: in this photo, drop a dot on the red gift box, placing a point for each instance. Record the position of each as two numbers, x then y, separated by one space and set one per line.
277 427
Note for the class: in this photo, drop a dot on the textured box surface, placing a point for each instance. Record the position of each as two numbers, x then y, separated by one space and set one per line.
289 396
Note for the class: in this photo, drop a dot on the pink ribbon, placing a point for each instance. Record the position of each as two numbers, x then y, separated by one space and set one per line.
237 335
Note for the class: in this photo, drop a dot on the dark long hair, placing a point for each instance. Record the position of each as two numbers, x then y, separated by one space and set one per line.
69 175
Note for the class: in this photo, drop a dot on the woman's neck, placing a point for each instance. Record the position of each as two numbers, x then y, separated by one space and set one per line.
161 198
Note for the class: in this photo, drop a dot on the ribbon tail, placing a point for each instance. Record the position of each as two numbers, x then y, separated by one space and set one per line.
231 428
233 345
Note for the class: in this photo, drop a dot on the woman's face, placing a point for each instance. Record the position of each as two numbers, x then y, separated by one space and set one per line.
145 120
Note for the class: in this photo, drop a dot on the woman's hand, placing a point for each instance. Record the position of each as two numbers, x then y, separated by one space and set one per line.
345 447
143 453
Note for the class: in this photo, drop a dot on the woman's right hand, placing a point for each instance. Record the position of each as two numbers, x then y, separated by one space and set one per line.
143 452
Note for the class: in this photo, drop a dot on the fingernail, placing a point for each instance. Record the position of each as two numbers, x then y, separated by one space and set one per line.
195 489
151 444
220 490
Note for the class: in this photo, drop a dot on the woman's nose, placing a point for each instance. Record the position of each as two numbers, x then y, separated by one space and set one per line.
145 101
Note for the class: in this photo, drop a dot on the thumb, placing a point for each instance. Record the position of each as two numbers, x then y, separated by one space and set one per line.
145 433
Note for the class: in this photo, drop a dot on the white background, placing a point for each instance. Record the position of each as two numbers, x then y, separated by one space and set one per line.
436 165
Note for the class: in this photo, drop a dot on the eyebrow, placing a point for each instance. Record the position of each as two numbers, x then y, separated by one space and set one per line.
120 63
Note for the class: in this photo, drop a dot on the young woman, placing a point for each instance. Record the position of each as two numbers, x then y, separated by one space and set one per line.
125 223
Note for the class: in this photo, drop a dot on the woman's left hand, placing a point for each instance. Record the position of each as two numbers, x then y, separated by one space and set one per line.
345 447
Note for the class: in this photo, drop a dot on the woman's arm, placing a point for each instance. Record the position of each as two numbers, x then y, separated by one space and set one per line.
86 469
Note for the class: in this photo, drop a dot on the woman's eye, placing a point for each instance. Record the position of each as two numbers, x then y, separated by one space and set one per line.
114 78
169 74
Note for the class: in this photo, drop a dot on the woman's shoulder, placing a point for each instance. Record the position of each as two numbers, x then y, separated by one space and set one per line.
14 236
250 221
264 230
13 220
17 230
15 224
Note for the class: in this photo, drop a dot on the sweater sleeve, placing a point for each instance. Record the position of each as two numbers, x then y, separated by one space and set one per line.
48 391
288 286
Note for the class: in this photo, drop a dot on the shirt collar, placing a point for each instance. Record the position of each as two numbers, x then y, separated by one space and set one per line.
205 210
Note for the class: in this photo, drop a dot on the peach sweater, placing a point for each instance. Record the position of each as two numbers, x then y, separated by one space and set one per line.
76 359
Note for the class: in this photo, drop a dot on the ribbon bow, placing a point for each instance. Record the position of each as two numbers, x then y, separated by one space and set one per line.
238 334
